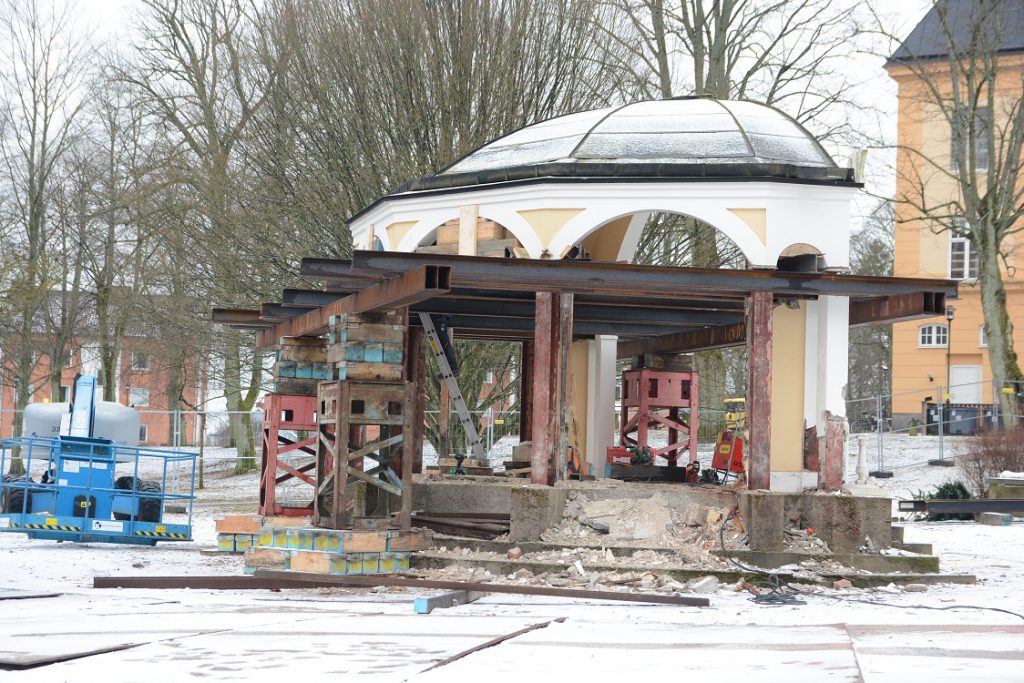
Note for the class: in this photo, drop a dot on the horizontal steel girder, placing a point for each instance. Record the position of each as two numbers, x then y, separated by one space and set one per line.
624 279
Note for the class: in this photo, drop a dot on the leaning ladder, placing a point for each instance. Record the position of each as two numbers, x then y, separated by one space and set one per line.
453 386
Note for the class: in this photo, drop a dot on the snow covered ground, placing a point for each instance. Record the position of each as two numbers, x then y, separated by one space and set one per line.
319 633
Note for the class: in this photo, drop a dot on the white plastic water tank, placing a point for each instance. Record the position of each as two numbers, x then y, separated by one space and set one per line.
113 421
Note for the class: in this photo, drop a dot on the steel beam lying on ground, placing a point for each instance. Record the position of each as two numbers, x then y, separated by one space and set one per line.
409 287
973 505
624 279
274 580
513 589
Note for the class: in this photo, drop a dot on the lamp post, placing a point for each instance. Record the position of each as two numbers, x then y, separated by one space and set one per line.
944 399
949 344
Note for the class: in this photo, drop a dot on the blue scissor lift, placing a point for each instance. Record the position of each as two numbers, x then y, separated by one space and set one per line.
91 489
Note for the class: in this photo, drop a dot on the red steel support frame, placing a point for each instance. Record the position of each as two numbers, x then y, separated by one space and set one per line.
759 390
647 391
286 412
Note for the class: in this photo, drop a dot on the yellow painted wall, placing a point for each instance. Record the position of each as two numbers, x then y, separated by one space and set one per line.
578 372
788 341
604 243
921 251
547 222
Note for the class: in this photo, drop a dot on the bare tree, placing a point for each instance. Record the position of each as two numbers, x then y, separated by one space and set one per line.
193 72
40 99
973 188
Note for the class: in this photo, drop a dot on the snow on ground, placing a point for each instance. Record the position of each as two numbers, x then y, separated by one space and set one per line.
320 633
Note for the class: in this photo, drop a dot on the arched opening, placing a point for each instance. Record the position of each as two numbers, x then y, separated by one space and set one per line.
492 239
801 258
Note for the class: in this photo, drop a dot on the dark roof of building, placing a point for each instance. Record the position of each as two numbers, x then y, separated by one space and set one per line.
930 38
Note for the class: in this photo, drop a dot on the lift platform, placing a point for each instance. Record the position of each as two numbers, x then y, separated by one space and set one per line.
82 488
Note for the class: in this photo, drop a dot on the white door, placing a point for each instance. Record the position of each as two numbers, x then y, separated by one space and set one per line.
965 384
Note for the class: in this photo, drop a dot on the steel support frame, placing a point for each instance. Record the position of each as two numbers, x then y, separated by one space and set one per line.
673 391
759 390
286 412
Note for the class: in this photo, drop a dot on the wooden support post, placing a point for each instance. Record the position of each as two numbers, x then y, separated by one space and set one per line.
339 517
544 388
411 425
467 229
564 412
526 364
759 390
444 407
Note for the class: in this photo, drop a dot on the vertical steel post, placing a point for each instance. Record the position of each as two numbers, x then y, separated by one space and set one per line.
759 389
526 391
544 388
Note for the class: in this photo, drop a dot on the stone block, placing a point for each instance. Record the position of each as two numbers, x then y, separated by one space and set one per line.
763 514
995 519
535 508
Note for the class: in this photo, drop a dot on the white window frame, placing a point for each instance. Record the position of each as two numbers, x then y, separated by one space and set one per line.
932 340
489 377
981 121
137 367
982 338
969 256
143 432
65 393
131 397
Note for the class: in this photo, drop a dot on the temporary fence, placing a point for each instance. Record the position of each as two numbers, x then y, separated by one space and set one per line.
940 415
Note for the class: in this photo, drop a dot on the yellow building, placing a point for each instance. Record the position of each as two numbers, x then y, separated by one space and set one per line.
930 356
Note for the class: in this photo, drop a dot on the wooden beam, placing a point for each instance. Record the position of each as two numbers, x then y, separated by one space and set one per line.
759 390
718 337
412 286
526 391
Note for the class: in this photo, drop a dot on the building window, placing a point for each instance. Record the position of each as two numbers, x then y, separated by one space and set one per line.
138 397
959 137
932 336
65 393
140 361
69 359
963 261
143 433
982 337
489 378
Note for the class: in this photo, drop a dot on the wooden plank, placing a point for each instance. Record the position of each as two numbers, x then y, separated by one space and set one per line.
239 524
220 582
544 393
445 601
266 558
310 561
364 542
411 541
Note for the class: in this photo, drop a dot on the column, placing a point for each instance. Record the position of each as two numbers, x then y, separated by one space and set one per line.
759 390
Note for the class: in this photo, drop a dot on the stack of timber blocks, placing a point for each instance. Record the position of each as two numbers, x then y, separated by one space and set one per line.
335 551
300 365
491 239
237 533
366 347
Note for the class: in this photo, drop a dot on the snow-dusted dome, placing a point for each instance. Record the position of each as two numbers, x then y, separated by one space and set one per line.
676 131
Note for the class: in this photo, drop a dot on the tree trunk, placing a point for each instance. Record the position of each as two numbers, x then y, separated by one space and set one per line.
999 332
238 406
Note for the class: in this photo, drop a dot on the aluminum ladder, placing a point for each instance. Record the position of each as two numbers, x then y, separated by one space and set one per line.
453 386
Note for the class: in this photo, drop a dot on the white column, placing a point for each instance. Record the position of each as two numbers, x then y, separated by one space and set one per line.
833 357
601 406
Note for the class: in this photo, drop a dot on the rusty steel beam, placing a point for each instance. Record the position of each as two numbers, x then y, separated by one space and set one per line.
719 337
545 389
412 286
235 316
897 308
623 279
759 390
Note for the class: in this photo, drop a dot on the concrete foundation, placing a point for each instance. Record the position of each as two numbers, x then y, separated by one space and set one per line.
842 522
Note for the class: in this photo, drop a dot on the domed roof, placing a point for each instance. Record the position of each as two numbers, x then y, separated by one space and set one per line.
676 131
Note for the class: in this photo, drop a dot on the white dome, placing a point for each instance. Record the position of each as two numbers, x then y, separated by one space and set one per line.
677 131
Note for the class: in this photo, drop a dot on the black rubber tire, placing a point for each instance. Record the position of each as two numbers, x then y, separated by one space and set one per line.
149 508
14 498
